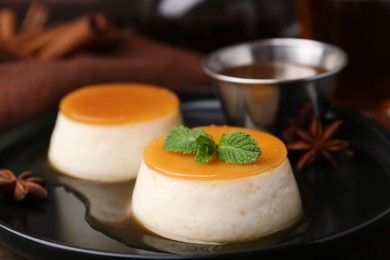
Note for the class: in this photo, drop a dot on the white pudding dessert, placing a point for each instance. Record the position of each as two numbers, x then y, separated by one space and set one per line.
101 130
216 202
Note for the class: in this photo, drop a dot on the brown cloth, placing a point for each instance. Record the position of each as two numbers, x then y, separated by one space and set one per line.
29 88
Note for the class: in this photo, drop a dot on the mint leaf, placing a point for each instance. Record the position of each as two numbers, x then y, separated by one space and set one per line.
205 150
238 147
182 139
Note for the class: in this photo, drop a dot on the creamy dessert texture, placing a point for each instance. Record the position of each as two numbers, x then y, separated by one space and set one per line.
101 130
216 202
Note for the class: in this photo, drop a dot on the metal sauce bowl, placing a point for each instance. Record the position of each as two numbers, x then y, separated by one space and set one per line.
267 104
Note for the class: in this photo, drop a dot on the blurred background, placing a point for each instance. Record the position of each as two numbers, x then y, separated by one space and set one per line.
198 24
359 27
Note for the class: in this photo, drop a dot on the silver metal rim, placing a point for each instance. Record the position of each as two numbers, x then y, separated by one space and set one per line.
274 41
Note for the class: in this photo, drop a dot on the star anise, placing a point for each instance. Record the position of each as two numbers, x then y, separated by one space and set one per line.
26 185
314 140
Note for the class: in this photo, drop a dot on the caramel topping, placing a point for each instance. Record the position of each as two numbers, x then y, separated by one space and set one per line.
183 166
109 104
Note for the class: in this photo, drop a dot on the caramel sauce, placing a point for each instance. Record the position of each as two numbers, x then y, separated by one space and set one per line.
124 228
273 70
183 166
111 104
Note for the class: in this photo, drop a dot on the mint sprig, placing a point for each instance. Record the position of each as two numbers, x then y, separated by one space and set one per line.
237 147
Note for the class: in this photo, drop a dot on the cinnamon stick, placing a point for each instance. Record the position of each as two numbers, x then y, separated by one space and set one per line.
83 32
31 44
35 18
35 39
7 24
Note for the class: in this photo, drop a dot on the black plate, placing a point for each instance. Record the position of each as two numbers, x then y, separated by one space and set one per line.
87 219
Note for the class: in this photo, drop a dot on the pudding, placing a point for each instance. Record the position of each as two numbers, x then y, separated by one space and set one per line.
101 130
216 202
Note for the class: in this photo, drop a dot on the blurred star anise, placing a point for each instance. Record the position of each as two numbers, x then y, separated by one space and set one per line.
26 185
311 137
